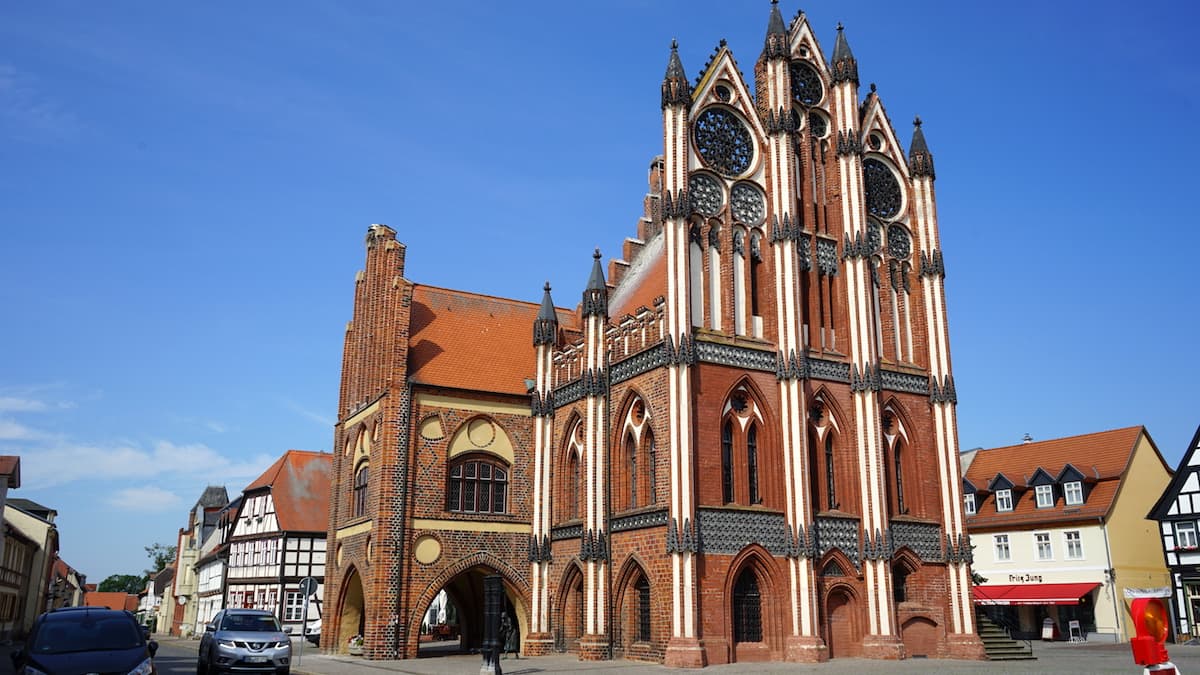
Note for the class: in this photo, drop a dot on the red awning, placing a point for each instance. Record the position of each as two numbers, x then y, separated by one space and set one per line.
1032 594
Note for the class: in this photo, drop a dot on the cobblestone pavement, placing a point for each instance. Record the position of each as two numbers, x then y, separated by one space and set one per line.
1058 657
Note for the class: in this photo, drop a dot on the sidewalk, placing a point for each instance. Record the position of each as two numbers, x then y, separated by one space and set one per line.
1056 657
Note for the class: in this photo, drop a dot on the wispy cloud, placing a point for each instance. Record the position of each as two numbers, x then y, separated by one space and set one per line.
29 114
62 463
14 431
146 498
323 420
14 404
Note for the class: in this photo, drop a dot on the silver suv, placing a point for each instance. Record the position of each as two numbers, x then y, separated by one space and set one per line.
243 641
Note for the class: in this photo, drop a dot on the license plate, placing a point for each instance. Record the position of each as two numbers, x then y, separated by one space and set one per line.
256 659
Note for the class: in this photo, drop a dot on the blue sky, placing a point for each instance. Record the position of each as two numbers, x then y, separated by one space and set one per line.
185 187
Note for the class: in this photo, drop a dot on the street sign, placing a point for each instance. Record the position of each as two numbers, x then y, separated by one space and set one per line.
308 586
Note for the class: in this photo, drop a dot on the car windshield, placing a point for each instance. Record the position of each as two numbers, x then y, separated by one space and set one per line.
250 623
86 635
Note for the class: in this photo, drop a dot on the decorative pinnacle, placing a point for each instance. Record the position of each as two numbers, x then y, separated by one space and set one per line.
775 45
845 67
920 159
545 327
597 279
675 89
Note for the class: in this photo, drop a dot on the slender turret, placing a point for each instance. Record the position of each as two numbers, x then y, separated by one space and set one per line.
920 160
845 67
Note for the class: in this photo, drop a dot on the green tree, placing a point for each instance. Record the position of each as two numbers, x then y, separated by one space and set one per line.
123 583
160 556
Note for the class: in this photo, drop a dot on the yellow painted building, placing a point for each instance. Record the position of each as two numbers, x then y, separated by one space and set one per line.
1059 531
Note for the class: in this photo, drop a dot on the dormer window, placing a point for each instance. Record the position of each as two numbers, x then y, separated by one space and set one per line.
1074 493
969 504
1045 496
1004 500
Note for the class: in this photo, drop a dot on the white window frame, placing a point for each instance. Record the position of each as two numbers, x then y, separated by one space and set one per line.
1007 503
1001 548
294 607
1045 496
1189 540
969 503
1041 544
1073 493
1074 544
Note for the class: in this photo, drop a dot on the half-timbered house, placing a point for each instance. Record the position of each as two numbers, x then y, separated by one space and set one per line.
1177 513
279 537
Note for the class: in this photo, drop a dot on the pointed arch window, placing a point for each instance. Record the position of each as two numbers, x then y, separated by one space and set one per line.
752 463
574 488
830 476
898 464
900 583
643 607
361 480
651 457
727 462
747 608
632 467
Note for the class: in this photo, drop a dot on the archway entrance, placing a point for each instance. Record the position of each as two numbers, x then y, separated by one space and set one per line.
453 621
567 616
843 634
351 620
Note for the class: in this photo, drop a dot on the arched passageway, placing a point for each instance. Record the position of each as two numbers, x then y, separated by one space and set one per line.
462 630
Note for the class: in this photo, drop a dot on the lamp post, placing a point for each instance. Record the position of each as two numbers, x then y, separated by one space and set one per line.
493 605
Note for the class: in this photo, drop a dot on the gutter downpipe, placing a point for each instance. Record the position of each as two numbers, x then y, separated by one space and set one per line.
1111 573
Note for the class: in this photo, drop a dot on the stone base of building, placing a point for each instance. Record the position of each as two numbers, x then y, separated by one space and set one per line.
884 647
965 646
805 649
538 644
593 647
684 653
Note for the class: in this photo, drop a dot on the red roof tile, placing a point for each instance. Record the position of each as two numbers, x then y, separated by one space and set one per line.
1102 457
299 484
643 283
111 600
1105 452
469 341
10 468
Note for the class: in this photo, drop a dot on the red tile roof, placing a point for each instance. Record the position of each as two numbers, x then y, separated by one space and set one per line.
1101 457
111 600
642 284
469 341
10 468
299 484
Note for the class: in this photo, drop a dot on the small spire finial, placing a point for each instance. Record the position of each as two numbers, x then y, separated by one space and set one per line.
547 286
596 255
723 42
840 27
872 87
674 44
917 121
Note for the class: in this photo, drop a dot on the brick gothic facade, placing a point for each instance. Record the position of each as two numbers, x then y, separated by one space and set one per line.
741 445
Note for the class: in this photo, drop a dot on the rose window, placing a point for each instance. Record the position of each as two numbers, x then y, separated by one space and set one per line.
724 142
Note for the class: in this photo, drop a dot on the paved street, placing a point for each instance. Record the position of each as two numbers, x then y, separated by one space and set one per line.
177 657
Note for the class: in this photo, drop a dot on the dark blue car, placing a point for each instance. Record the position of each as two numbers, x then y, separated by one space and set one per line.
81 640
